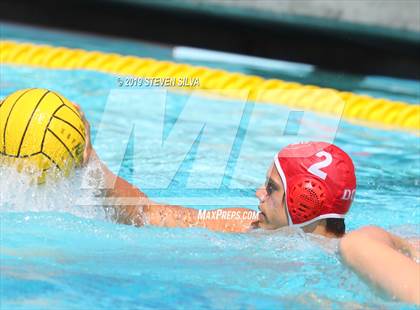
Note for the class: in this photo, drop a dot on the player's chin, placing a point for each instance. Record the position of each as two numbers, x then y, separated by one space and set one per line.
262 217
263 221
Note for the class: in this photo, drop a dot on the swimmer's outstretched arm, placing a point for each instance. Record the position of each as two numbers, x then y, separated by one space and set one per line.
132 206
385 259
224 220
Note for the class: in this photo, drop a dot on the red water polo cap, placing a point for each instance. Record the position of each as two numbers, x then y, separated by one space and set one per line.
318 179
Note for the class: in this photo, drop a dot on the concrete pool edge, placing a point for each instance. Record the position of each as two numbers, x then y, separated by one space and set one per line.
377 112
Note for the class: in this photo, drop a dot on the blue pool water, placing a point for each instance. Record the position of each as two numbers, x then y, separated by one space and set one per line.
56 253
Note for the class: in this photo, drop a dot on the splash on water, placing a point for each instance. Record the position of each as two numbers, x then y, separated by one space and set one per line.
19 192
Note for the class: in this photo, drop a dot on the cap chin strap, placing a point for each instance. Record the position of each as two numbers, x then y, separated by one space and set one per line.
283 179
289 218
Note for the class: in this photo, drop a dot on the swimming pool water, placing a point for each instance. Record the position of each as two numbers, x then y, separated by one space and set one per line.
57 254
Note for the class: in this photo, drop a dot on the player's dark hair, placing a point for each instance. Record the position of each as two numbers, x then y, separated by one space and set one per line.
336 226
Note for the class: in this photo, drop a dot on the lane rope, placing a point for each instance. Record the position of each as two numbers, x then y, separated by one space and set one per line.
377 112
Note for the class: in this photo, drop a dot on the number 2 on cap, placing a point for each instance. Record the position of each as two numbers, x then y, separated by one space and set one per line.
316 168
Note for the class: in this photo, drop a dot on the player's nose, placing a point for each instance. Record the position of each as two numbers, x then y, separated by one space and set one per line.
261 194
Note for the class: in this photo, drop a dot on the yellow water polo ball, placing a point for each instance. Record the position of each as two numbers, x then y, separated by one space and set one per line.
40 131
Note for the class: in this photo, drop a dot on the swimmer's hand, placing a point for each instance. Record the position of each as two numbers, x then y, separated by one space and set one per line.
89 151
